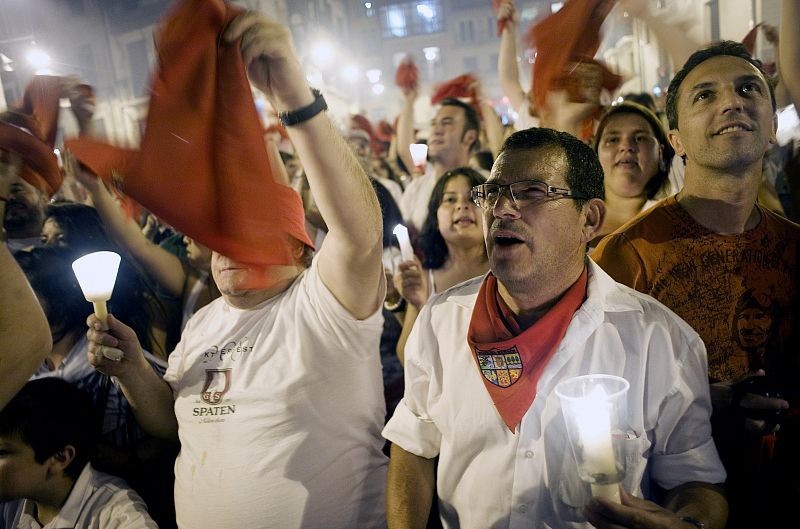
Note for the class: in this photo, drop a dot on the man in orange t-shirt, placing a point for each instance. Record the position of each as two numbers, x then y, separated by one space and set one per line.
725 265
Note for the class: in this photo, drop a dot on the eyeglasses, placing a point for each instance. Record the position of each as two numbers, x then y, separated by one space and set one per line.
522 193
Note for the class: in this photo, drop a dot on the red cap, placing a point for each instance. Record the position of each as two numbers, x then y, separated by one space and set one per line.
203 165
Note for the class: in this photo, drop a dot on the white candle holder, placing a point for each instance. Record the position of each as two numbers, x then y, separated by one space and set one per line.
595 412
419 153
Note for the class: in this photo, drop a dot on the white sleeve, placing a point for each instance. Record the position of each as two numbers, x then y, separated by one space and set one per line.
684 449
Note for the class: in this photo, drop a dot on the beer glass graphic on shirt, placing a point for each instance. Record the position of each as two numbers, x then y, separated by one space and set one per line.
218 382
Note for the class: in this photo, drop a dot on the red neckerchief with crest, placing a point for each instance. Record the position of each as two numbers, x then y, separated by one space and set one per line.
511 361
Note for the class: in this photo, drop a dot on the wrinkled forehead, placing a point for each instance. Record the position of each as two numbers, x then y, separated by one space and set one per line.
547 163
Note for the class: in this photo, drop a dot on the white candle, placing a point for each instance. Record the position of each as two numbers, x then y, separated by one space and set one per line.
401 232
594 427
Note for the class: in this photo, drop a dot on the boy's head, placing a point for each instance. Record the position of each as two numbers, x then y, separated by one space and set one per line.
46 431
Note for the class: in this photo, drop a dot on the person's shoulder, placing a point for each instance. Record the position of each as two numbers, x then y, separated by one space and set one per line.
776 222
619 298
463 294
656 219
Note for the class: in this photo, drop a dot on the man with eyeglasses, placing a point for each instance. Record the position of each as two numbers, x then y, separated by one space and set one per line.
485 356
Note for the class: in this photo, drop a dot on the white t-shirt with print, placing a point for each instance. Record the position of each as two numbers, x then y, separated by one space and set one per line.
280 410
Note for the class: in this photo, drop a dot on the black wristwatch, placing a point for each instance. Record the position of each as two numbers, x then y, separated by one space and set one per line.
294 117
694 521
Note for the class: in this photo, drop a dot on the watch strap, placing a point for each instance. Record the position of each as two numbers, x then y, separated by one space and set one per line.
297 116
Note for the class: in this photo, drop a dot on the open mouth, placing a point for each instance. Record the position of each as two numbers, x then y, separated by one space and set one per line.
627 163
464 221
507 240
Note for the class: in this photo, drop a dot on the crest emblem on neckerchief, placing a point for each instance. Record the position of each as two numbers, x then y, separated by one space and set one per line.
501 367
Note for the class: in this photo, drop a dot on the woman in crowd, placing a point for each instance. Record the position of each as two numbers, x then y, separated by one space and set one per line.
78 229
451 243
636 158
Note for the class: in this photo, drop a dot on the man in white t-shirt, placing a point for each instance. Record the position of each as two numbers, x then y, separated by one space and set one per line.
454 134
275 388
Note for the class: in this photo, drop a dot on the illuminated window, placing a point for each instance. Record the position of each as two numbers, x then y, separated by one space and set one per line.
411 18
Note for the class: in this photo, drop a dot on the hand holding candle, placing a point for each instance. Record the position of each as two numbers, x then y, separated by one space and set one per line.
594 410
97 273
406 251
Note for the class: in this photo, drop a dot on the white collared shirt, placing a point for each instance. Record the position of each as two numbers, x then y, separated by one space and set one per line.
97 501
491 477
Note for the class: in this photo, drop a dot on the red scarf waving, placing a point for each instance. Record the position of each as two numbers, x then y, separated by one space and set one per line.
511 361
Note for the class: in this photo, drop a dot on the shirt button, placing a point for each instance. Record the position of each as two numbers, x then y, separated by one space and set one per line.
523 509
529 454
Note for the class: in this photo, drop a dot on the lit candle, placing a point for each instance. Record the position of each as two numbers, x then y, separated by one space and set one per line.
419 153
594 428
97 273
401 232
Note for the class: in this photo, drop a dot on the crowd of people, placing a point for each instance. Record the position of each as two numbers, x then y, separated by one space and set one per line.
282 360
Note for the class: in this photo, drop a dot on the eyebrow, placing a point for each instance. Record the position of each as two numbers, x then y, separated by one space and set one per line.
738 80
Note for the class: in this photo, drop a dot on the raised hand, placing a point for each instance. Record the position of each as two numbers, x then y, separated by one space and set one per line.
412 282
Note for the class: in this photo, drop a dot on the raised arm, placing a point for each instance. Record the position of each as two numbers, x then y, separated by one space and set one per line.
24 333
350 260
678 49
491 121
789 49
405 130
148 394
507 68
164 267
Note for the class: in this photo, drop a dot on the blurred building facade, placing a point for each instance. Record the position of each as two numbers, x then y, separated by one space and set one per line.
350 48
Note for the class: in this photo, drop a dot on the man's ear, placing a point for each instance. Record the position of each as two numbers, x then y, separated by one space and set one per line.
674 136
773 139
58 462
594 211
469 137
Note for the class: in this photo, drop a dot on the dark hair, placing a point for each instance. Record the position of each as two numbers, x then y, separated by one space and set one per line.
485 160
82 226
134 299
723 48
49 271
667 152
472 120
584 172
642 98
48 414
431 242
